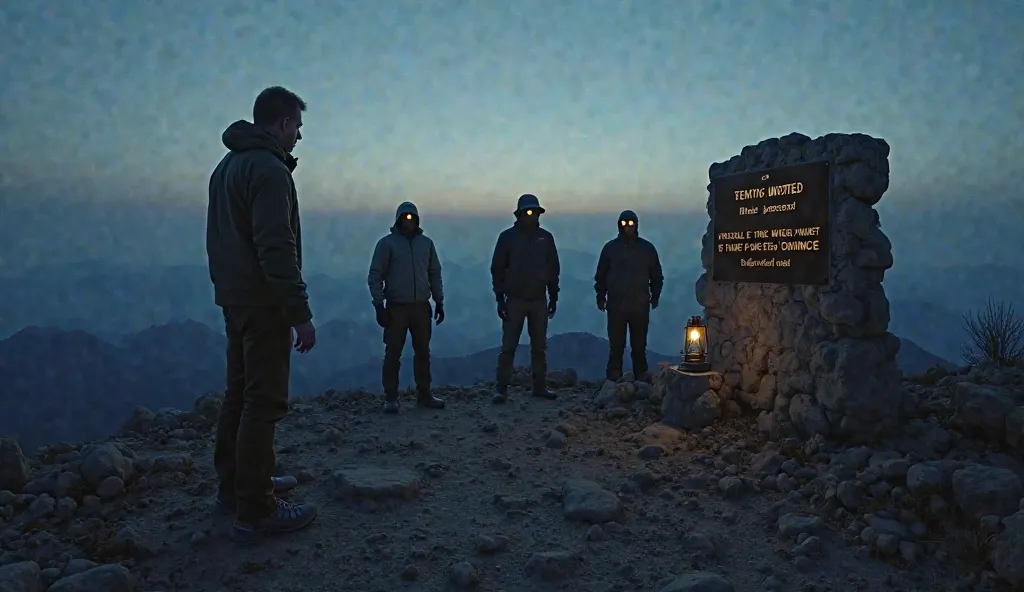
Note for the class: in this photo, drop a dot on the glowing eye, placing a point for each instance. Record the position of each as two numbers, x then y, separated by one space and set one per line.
529 212
630 222
622 222
408 216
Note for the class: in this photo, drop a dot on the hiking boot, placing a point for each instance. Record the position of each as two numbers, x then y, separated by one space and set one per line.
228 505
500 396
543 393
391 404
286 517
429 401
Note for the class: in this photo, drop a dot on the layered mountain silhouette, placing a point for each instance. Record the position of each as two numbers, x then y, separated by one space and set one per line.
109 300
71 385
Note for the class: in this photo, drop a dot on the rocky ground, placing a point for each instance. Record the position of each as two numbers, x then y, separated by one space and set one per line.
537 495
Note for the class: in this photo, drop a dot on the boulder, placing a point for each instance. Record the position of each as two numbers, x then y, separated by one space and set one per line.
687 401
983 409
14 469
1008 553
983 491
587 501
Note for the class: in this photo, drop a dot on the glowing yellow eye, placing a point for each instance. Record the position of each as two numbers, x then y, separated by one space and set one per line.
408 216
529 212
630 222
622 222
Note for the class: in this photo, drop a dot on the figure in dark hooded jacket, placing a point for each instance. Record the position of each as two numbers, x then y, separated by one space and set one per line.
628 283
524 276
254 250
404 273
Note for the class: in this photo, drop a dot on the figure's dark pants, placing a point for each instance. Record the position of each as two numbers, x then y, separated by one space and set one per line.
417 320
255 400
636 323
534 314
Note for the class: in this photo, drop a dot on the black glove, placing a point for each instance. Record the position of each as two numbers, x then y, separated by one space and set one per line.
552 308
602 303
502 308
439 313
382 315
654 302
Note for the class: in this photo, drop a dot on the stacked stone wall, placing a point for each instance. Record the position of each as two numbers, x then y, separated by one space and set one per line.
813 359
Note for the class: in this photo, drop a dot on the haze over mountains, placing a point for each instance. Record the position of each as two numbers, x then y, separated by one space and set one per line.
120 305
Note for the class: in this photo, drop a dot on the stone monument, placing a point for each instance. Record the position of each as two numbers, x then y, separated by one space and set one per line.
797 319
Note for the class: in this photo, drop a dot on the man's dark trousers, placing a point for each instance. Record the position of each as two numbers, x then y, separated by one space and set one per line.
534 314
636 322
255 399
417 320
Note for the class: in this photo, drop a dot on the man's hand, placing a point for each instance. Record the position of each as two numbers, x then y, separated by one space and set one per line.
438 313
654 302
552 308
382 315
305 337
502 309
602 303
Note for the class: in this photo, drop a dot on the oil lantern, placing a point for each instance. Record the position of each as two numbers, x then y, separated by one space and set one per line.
695 347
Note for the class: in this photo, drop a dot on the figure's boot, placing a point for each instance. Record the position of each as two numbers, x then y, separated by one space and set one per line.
541 392
426 399
391 403
286 517
500 395
228 505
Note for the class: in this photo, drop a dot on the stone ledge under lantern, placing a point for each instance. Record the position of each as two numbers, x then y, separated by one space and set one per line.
692 400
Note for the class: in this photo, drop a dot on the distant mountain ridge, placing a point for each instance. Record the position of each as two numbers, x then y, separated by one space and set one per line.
106 299
72 385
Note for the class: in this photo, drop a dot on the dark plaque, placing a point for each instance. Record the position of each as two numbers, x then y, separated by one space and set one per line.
772 226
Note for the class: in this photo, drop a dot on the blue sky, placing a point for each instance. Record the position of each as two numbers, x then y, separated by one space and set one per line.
467 103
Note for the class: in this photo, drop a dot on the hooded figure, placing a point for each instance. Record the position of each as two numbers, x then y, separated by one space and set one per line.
524 277
628 283
404 273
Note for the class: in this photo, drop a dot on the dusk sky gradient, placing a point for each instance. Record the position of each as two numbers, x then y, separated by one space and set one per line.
468 103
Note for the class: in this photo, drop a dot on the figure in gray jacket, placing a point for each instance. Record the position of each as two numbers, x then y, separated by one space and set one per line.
405 273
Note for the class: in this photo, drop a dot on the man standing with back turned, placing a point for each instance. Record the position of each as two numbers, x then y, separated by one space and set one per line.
628 283
523 268
404 273
254 248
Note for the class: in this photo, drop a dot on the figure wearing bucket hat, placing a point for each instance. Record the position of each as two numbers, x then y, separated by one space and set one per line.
405 273
524 277
628 283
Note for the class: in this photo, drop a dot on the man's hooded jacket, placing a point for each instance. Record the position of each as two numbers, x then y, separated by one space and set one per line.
629 271
405 269
253 235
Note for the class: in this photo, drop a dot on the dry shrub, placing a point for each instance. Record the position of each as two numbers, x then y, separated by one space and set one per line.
995 335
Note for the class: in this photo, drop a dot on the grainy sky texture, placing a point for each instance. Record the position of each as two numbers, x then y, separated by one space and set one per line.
471 102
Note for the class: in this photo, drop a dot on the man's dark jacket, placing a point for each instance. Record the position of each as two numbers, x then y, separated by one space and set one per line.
525 264
629 274
253 236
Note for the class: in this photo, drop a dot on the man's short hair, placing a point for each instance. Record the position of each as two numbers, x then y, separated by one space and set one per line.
274 104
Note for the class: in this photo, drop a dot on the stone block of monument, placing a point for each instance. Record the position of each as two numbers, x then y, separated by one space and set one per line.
810 357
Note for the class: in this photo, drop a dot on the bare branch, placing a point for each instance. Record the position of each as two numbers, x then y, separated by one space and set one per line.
995 334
